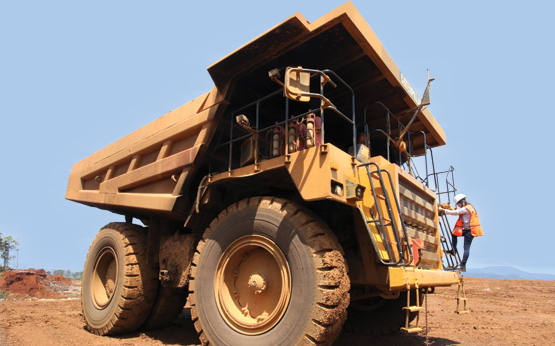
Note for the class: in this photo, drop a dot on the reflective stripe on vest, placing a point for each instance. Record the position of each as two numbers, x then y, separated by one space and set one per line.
473 224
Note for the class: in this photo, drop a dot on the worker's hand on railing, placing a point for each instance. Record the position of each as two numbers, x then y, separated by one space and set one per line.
441 211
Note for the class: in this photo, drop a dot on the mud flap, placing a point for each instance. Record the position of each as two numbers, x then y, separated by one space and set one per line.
176 254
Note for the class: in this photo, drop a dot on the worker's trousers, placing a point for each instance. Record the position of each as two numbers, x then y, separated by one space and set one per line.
467 241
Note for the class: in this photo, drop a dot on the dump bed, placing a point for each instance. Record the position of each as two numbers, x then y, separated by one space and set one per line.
147 170
156 169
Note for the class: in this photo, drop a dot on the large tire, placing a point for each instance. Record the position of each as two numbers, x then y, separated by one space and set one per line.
268 272
118 286
167 308
380 316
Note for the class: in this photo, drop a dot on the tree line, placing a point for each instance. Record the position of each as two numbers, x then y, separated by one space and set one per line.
7 247
66 273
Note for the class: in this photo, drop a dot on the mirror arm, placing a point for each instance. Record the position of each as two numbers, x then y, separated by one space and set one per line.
275 75
398 141
419 108
275 79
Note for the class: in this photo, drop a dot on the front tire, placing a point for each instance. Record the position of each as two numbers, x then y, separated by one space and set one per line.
118 286
267 272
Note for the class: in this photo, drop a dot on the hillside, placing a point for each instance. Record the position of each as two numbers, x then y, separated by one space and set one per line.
506 272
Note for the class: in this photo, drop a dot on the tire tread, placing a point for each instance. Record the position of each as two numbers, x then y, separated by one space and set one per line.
138 288
332 287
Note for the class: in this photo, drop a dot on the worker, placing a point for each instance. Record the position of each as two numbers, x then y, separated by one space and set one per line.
467 226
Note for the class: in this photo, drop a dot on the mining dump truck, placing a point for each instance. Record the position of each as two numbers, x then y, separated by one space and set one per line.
283 204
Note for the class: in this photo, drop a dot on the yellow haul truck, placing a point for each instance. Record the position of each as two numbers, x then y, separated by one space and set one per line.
283 203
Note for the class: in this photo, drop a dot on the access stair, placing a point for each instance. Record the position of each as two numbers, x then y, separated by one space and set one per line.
385 231
453 260
450 262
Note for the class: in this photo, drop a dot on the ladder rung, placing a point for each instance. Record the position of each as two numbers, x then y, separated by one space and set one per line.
462 312
461 298
378 221
411 330
412 308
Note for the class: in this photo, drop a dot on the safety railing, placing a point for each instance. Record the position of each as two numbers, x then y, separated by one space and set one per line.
244 132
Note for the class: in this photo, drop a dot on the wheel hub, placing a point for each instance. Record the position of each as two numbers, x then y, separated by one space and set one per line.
252 285
257 283
104 278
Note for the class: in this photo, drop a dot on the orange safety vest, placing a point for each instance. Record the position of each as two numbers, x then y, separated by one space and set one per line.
473 224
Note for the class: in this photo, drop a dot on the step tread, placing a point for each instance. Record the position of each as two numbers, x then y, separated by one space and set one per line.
412 308
411 330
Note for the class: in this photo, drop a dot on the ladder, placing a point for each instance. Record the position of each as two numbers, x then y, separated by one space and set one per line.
386 218
461 298
412 308
450 262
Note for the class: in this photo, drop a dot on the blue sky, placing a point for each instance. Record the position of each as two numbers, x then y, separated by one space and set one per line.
76 76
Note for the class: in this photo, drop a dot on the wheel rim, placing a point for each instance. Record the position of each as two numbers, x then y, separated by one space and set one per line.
104 278
252 285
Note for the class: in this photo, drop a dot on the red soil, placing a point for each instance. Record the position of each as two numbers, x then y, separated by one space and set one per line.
34 283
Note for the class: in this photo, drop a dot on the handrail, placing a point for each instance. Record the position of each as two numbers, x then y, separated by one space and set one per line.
391 215
447 244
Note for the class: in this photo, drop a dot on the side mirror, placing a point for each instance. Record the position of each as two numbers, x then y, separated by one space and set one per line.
297 84
426 98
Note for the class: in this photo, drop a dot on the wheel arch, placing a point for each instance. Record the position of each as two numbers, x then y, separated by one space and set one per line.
341 218
220 195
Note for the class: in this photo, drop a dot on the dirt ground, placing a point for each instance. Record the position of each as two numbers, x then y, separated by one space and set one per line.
503 312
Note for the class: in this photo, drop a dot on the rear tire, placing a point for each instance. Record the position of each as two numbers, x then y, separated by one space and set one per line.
167 308
118 286
268 272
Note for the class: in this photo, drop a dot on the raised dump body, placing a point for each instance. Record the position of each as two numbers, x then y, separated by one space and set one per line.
258 196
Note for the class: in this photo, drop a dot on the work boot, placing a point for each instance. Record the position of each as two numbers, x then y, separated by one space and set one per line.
461 268
450 252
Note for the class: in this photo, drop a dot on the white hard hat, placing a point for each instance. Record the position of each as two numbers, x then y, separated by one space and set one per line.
459 197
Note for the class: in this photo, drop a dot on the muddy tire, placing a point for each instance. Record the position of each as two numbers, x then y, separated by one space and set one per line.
379 316
167 307
118 286
268 272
